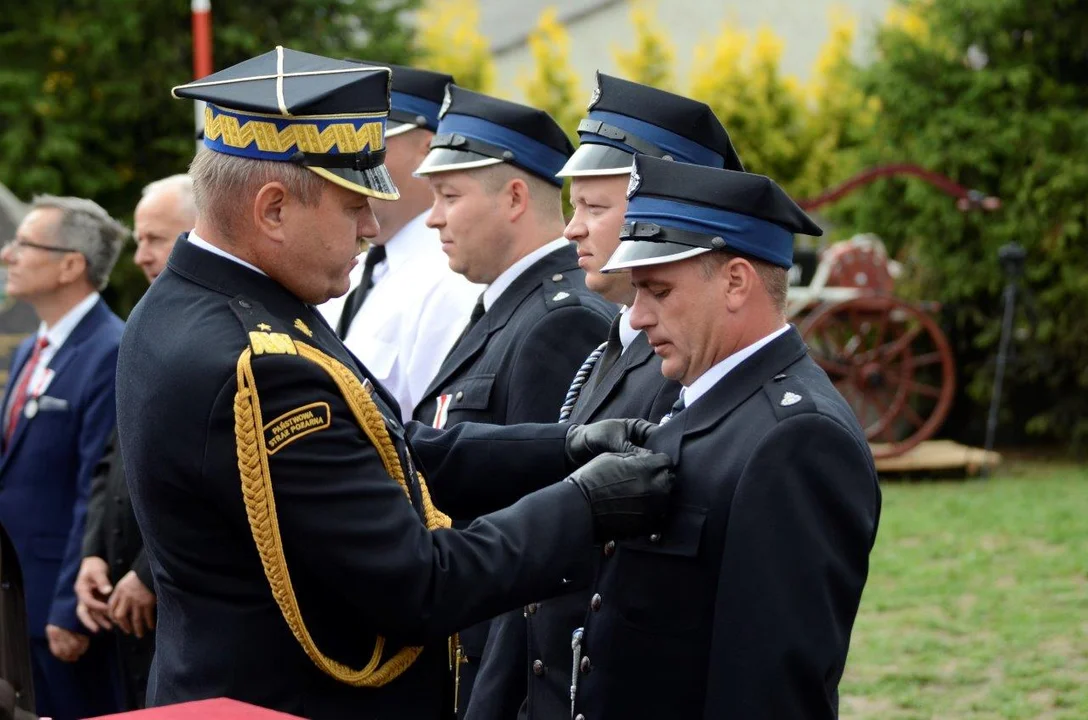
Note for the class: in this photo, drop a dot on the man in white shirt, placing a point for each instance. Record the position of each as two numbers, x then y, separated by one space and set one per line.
58 411
404 319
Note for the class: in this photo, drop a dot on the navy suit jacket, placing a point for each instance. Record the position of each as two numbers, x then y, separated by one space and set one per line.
45 472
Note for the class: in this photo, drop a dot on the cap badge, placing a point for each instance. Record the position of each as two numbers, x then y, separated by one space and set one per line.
594 98
633 184
446 101
790 399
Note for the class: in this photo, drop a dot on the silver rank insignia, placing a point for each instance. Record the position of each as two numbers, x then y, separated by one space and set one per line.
595 97
790 399
636 180
445 103
561 295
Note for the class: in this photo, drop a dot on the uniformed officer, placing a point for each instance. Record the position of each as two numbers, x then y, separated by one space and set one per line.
621 378
406 307
299 560
498 209
742 605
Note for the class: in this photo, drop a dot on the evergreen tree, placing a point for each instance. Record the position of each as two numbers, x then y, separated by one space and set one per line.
85 104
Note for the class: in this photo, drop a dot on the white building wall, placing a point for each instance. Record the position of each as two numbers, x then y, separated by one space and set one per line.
804 26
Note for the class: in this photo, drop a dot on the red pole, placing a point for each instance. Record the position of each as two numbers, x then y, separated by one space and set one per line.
202 53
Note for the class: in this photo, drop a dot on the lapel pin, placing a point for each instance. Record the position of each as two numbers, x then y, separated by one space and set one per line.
790 399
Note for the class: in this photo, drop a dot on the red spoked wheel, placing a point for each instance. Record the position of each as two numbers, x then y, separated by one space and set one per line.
891 362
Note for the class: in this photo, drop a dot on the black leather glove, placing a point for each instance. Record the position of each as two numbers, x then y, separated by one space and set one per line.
585 442
628 493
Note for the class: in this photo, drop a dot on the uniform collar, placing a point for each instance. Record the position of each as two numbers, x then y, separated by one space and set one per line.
205 245
508 276
627 333
711 377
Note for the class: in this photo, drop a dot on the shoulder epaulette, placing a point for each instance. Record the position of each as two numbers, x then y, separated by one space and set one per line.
264 337
788 396
559 291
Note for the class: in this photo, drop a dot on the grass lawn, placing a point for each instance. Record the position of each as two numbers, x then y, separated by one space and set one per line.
977 601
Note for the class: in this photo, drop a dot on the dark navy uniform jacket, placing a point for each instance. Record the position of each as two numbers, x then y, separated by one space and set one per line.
515 365
526 671
218 360
742 606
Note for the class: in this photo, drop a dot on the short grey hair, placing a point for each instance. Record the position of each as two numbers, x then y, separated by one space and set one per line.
221 182
180 183
89 230
544 196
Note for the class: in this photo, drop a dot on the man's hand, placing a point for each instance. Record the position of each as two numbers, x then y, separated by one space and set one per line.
66 645
92 589
585 442
132 605
627 493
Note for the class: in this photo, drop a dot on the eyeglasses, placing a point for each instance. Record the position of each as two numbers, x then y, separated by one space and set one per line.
17 246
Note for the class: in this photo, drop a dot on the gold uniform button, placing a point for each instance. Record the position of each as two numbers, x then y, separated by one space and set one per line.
531 608
595 602
557 277
538 667
656 537
586 665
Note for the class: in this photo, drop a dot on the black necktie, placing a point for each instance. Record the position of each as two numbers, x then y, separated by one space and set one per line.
676 407
477 313
374 255
612 351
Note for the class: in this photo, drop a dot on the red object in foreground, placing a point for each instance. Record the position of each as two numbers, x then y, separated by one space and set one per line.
218 709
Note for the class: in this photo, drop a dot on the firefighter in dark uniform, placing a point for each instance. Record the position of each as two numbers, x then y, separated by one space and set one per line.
620 379
298 558
742 605
536 321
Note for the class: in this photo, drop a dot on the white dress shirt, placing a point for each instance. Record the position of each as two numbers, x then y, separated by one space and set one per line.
710 378
510 274
412 315
627 333
57 336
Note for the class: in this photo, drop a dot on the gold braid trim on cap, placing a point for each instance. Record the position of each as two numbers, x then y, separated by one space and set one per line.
261 507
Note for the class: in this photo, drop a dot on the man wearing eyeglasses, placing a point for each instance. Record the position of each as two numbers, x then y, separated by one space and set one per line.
57 413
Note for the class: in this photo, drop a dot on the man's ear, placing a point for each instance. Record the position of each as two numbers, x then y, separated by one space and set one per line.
422 145
268 210
739 279
72 267
516 195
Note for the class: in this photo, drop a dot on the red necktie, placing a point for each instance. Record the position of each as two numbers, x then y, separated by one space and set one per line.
19 399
